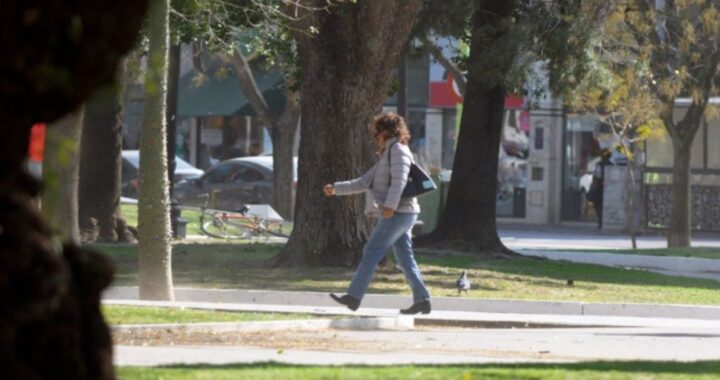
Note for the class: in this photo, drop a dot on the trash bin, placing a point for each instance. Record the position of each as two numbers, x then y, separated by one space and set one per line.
175 218
430 206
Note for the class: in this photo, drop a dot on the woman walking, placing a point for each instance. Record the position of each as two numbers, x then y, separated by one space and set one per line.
396 215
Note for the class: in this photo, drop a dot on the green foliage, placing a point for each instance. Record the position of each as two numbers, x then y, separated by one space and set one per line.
556 33
641 59
256 28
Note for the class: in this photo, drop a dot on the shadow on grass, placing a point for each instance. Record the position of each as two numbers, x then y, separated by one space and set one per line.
653 367
244 266
561 270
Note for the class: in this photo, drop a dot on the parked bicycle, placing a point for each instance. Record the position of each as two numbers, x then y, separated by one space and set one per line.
238 224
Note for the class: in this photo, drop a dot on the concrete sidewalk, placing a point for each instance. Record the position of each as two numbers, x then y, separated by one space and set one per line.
549 340
395 302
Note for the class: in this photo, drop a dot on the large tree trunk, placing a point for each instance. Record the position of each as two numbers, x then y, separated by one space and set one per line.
51 325
60 175
347 69
101 165
154 248
682 134
469 214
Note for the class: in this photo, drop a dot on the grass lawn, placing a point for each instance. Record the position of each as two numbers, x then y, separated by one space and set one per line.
580 371
131 315
129 212
243 266
700 252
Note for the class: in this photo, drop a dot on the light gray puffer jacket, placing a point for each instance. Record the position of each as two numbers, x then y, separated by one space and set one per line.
384 184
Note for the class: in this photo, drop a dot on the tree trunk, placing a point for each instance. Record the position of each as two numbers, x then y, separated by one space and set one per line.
281 128
283 138
469 214
53 58
347 69
154 248
101 165
680 220
60 175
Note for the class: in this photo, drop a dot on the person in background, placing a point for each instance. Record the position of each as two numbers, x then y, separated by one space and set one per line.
597 188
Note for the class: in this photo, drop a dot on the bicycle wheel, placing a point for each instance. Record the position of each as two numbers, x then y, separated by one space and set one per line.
214 224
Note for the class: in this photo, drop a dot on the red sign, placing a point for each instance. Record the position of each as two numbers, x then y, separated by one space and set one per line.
447 95
36 148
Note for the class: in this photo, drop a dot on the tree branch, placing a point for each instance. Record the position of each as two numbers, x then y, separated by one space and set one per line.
451 67
249 86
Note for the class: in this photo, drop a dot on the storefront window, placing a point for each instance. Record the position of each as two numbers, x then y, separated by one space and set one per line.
512 164
581 154
712 146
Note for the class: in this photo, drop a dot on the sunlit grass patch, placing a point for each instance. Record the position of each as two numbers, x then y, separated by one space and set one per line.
245 266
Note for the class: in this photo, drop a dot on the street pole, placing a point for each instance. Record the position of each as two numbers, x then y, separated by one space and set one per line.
402 88
171 120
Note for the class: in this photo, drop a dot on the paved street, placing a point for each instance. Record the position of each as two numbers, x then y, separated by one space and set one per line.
585 237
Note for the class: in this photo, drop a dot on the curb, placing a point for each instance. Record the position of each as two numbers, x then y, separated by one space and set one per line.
364 324
268 297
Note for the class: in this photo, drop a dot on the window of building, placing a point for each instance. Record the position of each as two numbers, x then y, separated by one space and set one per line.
713 144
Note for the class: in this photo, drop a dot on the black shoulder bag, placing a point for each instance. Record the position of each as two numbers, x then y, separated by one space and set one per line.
418 182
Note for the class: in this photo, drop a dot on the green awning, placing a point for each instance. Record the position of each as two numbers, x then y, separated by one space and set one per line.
213 95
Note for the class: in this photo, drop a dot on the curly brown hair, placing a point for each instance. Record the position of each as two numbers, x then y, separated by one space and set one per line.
393 124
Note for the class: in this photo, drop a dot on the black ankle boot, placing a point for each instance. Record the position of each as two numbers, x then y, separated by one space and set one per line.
351 302
420 307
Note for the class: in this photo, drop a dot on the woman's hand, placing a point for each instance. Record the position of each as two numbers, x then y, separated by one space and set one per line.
329 190
388 212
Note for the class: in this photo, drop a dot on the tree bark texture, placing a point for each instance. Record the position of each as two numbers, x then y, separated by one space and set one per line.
469 214
682 134
51 325
154 248
100 216
60 176
679 234
347 69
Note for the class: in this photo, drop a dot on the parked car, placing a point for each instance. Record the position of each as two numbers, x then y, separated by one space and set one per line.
236 182
131 170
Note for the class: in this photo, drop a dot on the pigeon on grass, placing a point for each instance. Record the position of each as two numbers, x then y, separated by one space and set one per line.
463 284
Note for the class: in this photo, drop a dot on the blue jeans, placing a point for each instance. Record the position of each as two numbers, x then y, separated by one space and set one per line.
394 232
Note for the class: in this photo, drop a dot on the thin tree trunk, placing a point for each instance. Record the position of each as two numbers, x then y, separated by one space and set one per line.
154 248
283 139
347 68
470 212
680 220
282 129
60 175
630 213
101 165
